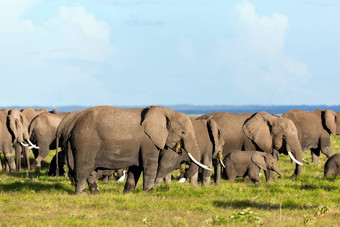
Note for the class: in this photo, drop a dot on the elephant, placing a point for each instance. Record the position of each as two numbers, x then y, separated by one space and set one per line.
6 143
248 163
42 132
210 142
314 129
259 131
105 137
19 122
332 166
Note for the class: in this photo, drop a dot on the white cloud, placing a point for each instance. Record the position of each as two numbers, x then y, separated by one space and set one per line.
260 70
63 52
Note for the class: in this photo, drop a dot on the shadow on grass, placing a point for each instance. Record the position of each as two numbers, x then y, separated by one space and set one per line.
312 187
35 186
259 205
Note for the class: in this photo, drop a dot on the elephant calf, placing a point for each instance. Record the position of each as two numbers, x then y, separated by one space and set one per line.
332 166
248 163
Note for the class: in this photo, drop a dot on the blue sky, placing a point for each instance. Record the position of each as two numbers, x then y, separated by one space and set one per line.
151 52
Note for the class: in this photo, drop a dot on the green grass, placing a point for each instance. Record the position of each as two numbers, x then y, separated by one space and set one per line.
39 200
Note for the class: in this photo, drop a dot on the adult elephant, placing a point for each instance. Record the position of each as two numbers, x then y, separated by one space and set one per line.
106 137
42 132
259 131
6 143
314 129
210 142
18 123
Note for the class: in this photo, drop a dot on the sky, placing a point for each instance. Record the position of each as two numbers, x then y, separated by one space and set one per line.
169 52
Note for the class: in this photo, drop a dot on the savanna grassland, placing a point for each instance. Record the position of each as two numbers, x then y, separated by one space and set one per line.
40 200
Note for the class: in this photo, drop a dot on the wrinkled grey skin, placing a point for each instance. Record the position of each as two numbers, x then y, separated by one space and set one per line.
332 166
258 131
248 163
18 123
6 143
210 142
42 132
105 137
314 129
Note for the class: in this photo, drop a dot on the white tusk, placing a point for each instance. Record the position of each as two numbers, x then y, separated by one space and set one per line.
292 157
182 180
198 163
222 163
122 178
260 174
24 144
32 145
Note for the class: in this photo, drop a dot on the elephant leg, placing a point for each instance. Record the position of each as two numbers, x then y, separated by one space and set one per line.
230 172
44 149
92 183
18 150
133 175
327 151
269 175
168 179
193 180
150 156
26 152
206 173
254 175
315 152
81 175
217 170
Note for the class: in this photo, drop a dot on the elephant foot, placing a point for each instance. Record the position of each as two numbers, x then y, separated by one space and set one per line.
292 177
158 181
38 169
149 189
80 187
94 190
80 192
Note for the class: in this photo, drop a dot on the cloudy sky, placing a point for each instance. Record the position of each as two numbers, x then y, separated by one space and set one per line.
151 52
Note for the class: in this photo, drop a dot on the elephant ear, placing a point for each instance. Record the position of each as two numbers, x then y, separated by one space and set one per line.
215 133
156 125
330 121
15 128
257 129
259 159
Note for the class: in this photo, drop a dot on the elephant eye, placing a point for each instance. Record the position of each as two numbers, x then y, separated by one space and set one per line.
183 132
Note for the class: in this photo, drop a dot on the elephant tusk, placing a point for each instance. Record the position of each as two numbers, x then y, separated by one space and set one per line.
24 144
293 158
198 163
122 178
222 163
32 145
182 180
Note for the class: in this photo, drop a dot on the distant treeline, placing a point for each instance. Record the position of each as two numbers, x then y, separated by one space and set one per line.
193 109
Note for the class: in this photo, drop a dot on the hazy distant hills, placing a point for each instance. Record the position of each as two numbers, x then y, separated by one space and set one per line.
194 109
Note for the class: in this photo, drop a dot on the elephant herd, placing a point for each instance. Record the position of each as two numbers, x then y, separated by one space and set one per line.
157 140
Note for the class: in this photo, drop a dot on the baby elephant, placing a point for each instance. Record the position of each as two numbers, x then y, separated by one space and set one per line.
332 166
248 163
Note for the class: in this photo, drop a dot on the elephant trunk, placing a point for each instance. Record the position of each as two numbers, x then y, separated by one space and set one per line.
194 153
295 152
276 169
167 163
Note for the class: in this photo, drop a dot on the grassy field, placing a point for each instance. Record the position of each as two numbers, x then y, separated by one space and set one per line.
39 200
